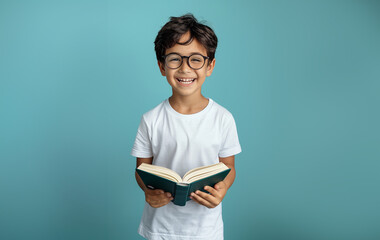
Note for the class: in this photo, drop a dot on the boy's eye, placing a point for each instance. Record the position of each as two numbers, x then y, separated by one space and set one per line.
196 60
174 60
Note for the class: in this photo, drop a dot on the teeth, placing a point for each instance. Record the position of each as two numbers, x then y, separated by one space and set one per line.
186 80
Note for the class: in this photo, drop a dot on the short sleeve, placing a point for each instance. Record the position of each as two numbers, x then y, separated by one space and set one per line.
230 141
142 147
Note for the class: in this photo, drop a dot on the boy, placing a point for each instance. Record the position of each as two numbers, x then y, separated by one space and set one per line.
184 132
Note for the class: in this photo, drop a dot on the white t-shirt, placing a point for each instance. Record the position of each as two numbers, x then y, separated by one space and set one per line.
183 142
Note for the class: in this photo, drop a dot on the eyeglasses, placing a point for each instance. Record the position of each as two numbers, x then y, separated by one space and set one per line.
195 61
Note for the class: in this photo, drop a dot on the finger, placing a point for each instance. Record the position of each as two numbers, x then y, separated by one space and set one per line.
195 200
159 191
213 191
213 201
163 202
159 201
154 192
201 200
210 198
163 197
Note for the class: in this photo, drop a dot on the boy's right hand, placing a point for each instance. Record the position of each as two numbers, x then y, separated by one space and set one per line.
157 198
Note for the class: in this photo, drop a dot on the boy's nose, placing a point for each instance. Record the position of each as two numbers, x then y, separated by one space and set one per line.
185 67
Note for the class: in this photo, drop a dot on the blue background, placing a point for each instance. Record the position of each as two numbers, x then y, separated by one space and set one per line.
302 79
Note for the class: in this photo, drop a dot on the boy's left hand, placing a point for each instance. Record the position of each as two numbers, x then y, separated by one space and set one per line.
214 198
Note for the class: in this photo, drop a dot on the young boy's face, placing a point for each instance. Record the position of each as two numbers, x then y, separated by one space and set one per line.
179 79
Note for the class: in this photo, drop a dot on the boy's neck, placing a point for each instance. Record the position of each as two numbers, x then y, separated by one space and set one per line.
188 105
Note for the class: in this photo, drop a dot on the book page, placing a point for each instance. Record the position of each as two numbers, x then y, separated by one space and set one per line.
203 172
200 176
203 167
163 175
161 171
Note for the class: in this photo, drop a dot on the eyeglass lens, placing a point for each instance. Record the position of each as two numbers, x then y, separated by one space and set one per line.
196 61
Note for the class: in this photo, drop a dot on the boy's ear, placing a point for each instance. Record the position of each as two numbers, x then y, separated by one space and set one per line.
210 67
162 68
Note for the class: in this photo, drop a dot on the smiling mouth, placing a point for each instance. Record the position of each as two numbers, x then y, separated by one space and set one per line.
186 80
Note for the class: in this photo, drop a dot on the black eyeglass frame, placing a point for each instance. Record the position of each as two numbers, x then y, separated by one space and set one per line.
188 61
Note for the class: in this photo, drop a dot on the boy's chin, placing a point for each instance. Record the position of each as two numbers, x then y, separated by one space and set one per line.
186 92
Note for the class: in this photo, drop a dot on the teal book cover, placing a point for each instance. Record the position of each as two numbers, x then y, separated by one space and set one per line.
180 191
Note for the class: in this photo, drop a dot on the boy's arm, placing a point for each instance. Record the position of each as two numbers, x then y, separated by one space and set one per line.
157 197
230 163
219 190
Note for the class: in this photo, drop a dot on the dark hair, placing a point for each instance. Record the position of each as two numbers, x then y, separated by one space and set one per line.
172 31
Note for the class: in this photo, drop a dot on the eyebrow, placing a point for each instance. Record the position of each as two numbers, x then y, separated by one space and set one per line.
189 54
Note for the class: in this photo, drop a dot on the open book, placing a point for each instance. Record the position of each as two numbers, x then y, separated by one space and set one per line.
157 177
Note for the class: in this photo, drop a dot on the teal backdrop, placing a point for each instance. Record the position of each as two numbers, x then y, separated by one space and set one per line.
302 79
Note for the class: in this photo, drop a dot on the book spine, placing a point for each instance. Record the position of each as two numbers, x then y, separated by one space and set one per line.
181 194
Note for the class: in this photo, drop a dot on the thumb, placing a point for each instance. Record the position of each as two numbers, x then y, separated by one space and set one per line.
219 185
